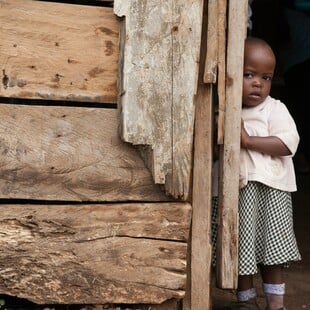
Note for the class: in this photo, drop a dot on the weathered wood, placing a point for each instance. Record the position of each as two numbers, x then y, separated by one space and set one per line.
160 66
96 254
201 250
186 301
69 153
202 185
211 64
221 83
58 51
227 254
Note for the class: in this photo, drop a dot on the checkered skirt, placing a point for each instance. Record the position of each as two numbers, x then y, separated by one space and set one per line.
266 234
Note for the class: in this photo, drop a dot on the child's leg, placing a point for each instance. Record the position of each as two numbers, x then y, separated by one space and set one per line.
273 286
246 290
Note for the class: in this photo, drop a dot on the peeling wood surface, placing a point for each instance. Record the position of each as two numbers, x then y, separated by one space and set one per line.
58 51
227 251
160 66
94 254
211 63
69 153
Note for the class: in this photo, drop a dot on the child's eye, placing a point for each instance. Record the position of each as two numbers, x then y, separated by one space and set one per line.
267 78
248 75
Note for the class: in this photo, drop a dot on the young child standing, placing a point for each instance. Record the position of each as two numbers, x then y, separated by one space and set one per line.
269 140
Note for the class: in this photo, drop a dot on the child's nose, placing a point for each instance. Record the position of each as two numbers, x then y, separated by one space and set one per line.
257 82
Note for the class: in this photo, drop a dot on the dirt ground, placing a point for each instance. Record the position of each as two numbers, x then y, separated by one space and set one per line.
297 276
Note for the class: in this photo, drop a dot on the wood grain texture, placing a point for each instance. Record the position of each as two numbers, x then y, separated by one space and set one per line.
94 254
201 254
221 84
202 194
227 251
160 68
211 63
58 51
69 153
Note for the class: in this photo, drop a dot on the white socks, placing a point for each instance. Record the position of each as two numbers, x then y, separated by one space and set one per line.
246 295
274 295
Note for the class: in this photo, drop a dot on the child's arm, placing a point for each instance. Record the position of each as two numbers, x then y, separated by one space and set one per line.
271 145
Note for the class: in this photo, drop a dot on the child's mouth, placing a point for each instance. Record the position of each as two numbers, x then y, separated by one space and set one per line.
255 95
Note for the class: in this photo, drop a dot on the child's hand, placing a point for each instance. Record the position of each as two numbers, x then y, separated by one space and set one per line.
270 145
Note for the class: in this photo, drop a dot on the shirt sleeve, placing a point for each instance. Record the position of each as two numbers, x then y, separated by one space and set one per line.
282 125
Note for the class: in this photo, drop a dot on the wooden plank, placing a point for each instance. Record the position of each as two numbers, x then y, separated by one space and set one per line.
69 153
58 51
162 42
201 250
94 254
202 184
227 254
186 38
211 64
221 83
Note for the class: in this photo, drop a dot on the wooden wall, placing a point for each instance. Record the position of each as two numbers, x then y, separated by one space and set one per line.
98 106
82 220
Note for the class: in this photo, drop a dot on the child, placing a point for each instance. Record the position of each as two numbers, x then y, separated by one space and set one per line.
269 139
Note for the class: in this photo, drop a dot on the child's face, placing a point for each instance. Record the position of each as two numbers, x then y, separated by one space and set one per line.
259 64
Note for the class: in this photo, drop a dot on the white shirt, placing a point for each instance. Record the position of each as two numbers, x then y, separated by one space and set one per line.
270 118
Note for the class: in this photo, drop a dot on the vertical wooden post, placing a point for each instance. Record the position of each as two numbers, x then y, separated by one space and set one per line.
202 183
227 251
221 82
201 244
